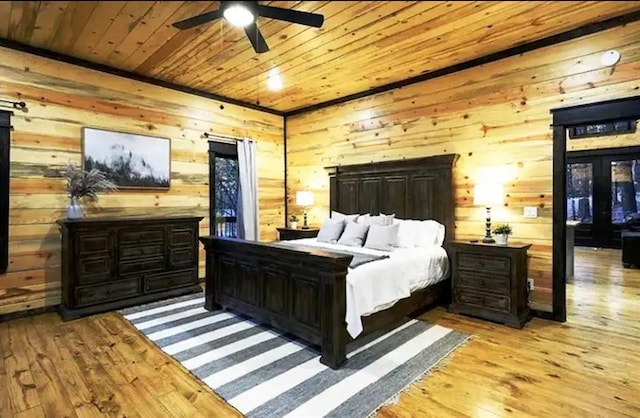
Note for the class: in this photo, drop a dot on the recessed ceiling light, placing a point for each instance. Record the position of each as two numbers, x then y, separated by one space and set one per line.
274 81
238 15
610 57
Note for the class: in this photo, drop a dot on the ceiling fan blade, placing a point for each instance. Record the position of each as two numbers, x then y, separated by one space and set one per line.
256 38
198 20
294 16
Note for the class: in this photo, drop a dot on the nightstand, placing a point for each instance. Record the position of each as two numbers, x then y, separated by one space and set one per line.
490 281
288 233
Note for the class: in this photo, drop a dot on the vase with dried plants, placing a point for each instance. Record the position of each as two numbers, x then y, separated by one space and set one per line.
84 184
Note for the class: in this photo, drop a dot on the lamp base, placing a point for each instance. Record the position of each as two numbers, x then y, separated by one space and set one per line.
488 240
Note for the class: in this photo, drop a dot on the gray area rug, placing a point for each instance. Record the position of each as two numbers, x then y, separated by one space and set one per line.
264 373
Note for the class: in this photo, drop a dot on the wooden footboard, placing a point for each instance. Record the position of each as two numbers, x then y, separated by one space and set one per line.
302 292
297 291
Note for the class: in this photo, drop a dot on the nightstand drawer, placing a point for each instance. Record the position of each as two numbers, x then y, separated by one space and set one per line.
494 283
286 234
482 300
484 263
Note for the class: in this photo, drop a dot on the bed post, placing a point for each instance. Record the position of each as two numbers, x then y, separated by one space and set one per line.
332 322
210 303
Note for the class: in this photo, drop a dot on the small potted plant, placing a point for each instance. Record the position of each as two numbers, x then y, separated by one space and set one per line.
81 184
502 233
293 222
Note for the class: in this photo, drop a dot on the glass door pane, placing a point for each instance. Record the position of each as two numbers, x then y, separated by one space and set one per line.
580 192
625 190
226 196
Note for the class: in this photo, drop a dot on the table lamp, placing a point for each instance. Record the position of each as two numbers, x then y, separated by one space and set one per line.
487 195
304 199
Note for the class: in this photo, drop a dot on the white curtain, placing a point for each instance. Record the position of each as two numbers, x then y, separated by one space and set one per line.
248 224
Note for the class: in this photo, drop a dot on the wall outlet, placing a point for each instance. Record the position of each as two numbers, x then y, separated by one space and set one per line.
530 284
530 212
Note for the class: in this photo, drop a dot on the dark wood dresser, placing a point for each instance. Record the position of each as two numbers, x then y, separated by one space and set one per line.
288 233
490 281
111 263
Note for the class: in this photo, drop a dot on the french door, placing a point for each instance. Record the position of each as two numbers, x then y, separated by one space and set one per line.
603 191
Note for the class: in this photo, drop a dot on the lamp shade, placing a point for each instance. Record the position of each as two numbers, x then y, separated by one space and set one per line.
304 198
487 194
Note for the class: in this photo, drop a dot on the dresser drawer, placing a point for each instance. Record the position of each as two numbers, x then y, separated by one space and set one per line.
164 281
181 237
181 257
141 251
494 283
93 242
93 269
142 265
107 292
481 262
136 236
482 300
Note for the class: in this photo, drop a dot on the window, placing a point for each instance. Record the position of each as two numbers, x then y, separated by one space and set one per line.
223 189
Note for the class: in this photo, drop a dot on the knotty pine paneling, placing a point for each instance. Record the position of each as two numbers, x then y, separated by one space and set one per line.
361 42
61 100
496 116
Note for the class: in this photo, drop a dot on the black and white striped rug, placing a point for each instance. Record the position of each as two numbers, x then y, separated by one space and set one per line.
263 373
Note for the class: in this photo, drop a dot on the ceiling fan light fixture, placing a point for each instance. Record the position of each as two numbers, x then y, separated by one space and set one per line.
238 15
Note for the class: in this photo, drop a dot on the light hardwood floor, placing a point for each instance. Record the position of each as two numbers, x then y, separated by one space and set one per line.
586 367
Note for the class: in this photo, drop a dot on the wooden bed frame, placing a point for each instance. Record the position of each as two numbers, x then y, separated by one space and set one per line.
303 292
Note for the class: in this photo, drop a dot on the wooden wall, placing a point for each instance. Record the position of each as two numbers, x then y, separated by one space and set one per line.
61 100
495 116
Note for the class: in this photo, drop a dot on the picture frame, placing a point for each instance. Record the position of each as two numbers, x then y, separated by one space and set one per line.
131 161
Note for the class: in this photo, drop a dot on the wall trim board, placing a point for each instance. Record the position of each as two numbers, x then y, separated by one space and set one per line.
564 118
17 46
5 173
496 56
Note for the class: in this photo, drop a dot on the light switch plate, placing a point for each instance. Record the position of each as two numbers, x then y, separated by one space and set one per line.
530 212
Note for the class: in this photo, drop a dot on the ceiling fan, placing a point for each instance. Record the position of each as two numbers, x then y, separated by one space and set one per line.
245 14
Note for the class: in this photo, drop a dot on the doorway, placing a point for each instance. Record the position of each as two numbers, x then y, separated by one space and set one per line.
603 192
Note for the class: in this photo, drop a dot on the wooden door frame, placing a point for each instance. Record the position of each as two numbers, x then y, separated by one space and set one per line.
5 172
563 118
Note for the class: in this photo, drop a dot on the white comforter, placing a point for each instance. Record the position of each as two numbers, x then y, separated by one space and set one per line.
380 284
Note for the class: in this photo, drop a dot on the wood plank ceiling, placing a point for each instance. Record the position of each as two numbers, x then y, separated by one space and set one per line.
362 45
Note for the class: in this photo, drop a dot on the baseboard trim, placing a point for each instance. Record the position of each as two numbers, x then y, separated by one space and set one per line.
30 312
543 315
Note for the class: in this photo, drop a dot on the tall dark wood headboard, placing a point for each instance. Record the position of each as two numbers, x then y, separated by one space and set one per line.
419 188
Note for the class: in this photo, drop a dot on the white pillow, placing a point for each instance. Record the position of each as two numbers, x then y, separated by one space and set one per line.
345 218
414 233
406 233
381 237
382 220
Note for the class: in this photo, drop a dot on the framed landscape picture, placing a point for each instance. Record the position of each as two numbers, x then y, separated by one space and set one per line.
128 160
